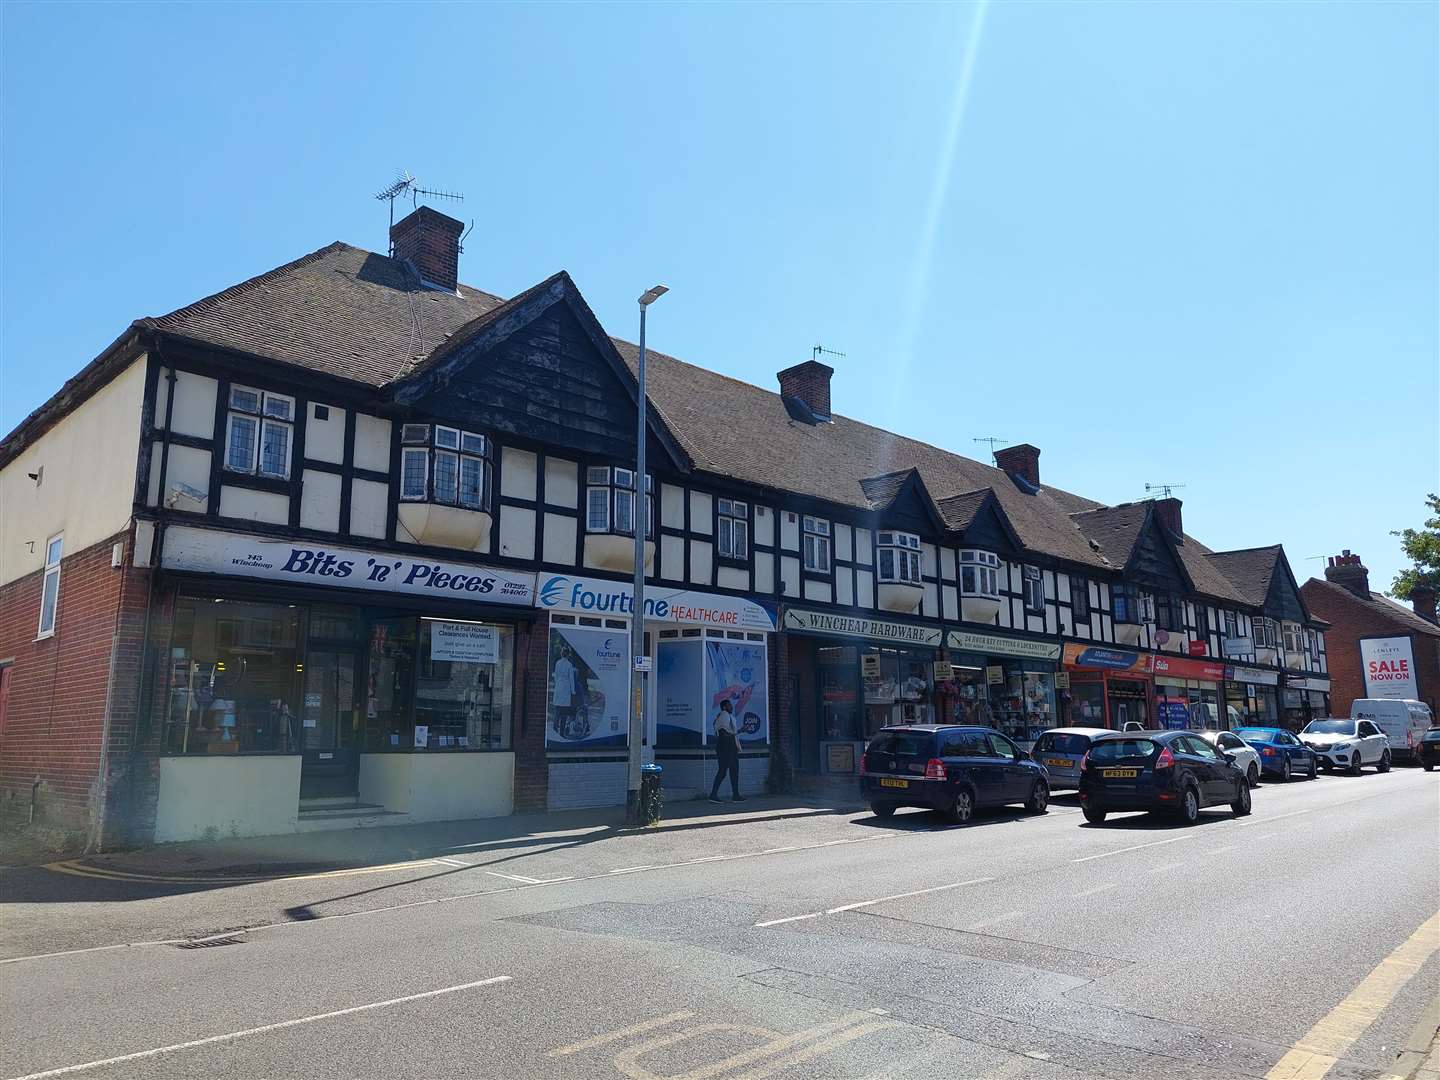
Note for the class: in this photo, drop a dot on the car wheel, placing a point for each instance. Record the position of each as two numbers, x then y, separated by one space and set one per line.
1241 806
961 809
1285 771
1252 775
1384 765
1327 767
1039 800
880 809
1311 774
1356 765
1190 805
1095 817
1428 766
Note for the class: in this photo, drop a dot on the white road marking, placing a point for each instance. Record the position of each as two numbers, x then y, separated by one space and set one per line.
632 869
514 877
623 1033
1134 847
792 918
263 1029
905 895
1097 889
453 862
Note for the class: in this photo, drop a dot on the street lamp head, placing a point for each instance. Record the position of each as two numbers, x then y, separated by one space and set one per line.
652 294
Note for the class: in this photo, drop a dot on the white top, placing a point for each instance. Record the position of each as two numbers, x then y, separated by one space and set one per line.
563 692
724 721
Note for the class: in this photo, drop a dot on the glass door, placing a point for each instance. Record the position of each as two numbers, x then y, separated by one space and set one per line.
330 762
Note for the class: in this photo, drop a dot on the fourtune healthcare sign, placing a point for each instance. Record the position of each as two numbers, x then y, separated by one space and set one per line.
1389 667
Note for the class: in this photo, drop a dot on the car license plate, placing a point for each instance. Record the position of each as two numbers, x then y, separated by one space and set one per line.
1060 762
1119 774
887 782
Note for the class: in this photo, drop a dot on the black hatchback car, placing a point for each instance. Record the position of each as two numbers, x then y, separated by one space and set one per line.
951 769
1161 771
1429 748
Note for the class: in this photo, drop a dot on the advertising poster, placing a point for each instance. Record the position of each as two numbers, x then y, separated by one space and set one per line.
589 700
468 643
1389 667
737 671
679 694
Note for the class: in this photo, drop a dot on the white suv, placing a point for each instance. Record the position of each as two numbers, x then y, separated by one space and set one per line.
1347 744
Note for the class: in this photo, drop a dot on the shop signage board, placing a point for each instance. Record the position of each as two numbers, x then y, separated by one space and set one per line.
942 671
211 551
994 675
1254 676
823 622
1062 680
1238 646
599 596
870 666
680 693
1389 667
469 643
1098 656
1002 645
1296 682
1177 668
1196 648
737 672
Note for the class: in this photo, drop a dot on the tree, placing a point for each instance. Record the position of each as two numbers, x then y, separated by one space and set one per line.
1422 547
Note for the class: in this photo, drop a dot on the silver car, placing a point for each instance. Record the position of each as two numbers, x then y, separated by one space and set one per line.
1061 750
1347 744
1245 756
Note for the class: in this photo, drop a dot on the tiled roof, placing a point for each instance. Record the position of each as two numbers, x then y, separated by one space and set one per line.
1250 569
881 490
1380 604
355 315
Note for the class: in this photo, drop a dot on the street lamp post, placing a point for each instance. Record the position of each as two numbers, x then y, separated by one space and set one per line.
640 519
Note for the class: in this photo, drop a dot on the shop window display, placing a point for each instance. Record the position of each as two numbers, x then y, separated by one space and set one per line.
1027 707
463 686
898 687
837 670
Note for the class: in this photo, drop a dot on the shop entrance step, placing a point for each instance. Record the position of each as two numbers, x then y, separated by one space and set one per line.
350 814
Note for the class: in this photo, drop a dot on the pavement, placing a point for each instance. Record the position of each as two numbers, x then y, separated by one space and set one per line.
786 941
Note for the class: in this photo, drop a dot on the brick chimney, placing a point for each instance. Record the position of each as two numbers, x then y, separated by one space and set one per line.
1422 597
430 242
1347 570
1167 512
1022 461
808 383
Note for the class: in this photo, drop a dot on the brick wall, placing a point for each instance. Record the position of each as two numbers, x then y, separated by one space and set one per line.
810 382
1352 619
55 714
532 772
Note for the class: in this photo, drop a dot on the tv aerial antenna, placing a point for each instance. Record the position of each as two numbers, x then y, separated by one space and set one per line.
820 350
406 184
993 441
1162 491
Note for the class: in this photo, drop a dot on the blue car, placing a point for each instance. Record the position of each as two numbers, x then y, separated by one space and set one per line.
950 769
1282 755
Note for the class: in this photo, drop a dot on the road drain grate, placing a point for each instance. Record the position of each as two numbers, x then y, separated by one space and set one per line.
209 943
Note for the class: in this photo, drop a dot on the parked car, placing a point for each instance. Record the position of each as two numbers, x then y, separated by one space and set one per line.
1430 748
949 768
1245 756
1282 755
1060 751
1161 771
1347 744
1403 720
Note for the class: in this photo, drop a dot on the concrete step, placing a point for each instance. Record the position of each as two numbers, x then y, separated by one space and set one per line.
355 817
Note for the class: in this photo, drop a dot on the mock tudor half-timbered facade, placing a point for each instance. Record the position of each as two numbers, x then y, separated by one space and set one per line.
350 541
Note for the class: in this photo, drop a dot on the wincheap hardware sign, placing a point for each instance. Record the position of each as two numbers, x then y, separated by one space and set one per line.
596 596
209 551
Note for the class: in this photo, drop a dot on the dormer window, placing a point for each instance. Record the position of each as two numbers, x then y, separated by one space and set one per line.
899 555
444 465
610 501
980 574
258 434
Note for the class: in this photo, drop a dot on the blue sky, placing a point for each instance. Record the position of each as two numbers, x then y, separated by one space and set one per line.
1165 243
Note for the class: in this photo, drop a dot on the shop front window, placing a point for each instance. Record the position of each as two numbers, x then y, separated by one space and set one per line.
234 678
898 687
1027 706
837 671
1087 703
972 696
390 682
463 686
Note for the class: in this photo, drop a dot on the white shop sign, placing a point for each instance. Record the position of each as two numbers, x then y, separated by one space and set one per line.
468 643
1252 675
820 622
1002 645
597 596
209 551
1389 667
1239 646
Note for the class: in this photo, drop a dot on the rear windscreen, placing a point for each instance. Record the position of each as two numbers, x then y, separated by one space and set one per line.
903 744
1064 744
1250 734
1118 749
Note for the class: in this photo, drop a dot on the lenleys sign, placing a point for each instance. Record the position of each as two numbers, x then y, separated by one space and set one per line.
597 596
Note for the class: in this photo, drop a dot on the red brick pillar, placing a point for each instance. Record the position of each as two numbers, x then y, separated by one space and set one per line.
532 769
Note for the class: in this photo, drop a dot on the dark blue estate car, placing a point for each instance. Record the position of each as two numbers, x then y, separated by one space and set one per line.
949 768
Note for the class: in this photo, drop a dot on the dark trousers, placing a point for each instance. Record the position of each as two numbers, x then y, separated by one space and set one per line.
727 756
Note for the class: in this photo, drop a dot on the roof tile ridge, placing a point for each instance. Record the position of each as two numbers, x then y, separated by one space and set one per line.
206 303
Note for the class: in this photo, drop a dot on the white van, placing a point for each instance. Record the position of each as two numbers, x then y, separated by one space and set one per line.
1403 720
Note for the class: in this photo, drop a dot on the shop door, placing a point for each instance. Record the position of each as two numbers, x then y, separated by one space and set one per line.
330 761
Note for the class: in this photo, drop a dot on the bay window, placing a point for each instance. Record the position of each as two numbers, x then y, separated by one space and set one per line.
610 501
444 465
899 555
1265 636
733 528
258 433
980 574
816 545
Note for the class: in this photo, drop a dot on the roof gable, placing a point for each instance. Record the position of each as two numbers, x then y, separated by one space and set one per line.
902 502
1282 598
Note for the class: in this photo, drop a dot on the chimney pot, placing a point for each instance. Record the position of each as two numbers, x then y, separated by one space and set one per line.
1021 462
808 383
430 242
1346 570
